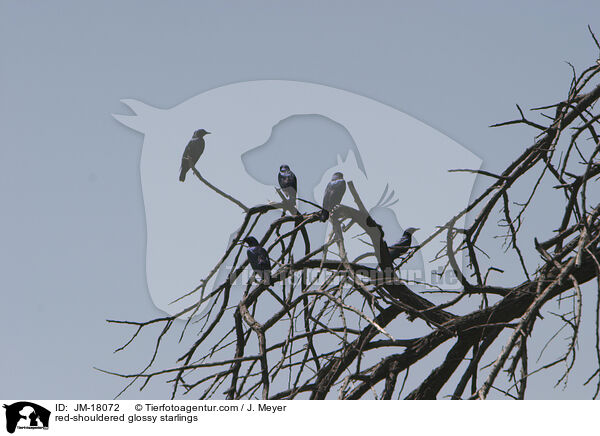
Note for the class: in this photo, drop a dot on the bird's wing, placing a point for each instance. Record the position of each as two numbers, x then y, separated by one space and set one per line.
253 259
406 239
328 197
403 242
287 180
333 194
400 247
194 150
263 259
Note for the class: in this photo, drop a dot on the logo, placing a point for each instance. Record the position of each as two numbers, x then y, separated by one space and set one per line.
26 415
399 165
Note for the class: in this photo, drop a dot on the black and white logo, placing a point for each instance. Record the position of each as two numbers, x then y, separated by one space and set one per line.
26 415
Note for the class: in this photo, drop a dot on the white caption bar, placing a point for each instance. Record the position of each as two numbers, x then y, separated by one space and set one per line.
22 417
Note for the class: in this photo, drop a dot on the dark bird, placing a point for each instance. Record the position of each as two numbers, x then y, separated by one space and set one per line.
333 194
258 257
402 246
192 152
288 182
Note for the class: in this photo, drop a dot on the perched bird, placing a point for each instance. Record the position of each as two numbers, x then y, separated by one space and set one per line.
333 194
402 246
192 152
258 257
288 182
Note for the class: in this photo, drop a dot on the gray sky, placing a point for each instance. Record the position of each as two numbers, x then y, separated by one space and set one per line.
72 231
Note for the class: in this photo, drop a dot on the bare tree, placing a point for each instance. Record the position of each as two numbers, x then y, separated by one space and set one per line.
328 335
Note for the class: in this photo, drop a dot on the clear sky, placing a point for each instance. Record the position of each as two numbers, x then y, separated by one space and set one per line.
72 227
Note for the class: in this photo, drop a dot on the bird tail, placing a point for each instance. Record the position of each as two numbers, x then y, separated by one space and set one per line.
324 215
266 277
292 198
290 194
182 174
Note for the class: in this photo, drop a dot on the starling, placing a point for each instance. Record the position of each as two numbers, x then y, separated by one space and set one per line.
192 152
333 194
402 246
258 257
288 182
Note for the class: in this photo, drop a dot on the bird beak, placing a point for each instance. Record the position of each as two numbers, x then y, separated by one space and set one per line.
208 133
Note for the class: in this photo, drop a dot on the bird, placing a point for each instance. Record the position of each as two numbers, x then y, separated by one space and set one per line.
333 194
288 182
192 152
402 246
258 257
